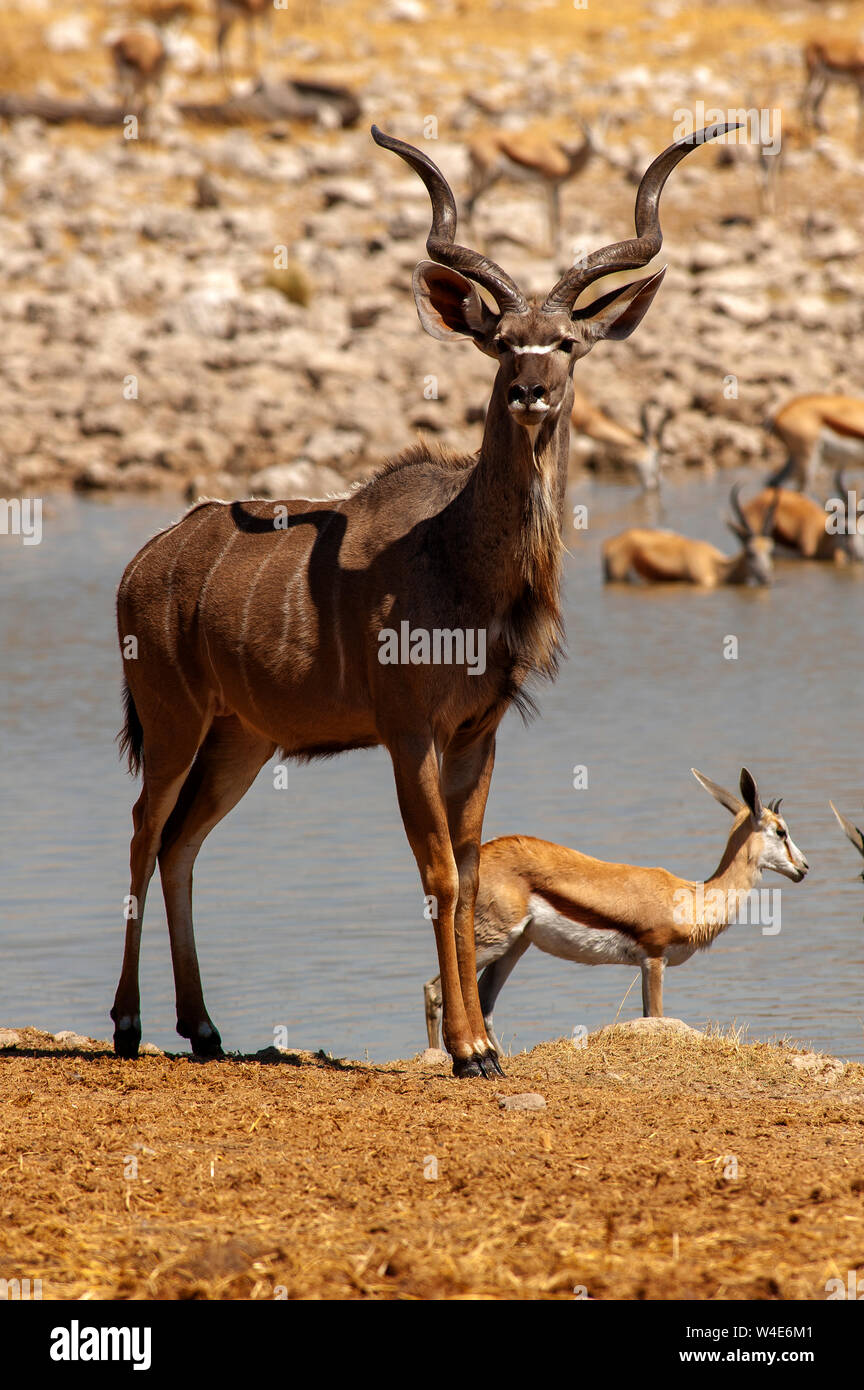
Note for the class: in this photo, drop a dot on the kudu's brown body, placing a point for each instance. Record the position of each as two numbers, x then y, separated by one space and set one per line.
259 624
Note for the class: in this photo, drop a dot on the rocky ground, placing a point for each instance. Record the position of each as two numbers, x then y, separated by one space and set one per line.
155 335
654 1162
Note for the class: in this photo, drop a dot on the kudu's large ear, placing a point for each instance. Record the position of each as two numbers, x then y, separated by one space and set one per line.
449 305
719 794
750 793
618 313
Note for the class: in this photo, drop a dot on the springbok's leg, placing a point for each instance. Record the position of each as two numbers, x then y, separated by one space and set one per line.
432 1001
165 771
652 987
466 771
492 981
418 788
227 764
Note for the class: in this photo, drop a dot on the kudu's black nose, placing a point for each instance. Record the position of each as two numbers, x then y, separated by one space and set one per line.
526 395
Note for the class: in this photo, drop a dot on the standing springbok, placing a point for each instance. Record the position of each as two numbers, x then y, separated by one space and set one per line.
665 557
851 831
140 59
527 157
801 523
813 427
251 12
642 451
260 625
596 913
827 61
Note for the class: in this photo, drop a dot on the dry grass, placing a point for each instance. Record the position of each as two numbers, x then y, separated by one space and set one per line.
307 1175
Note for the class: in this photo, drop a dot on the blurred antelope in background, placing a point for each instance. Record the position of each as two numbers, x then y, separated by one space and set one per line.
800 523
260 624
832 61
642 451
666 557
812 428
251 13
140 59
527 157
592 912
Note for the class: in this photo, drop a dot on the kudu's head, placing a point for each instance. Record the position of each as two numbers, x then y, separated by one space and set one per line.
535 342
761 828
758 545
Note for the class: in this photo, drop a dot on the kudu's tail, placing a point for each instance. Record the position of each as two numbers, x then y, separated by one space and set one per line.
131 736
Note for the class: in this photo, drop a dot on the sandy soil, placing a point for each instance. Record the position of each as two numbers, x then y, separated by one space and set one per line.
305 1177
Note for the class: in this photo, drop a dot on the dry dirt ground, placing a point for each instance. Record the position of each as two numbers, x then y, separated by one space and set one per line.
300 1176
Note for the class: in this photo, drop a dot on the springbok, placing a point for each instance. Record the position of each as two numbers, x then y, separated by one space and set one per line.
527 157
251 12
801 523
827 61
596 913
642 451
140 59
851 831
813 427
666 557
304 625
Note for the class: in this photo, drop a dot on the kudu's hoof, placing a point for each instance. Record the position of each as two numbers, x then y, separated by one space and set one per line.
127 1039
477 1065
205 1040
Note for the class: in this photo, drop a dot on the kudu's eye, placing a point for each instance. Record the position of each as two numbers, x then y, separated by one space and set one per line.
500 345
566 345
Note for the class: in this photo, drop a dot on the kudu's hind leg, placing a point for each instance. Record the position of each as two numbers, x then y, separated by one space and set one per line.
164 775
466 772
424 816
226 765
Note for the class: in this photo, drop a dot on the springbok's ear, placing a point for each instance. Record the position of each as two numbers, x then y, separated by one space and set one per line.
750 793
849 829
618 313
725 798
449 305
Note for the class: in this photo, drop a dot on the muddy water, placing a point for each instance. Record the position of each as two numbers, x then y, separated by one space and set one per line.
308 906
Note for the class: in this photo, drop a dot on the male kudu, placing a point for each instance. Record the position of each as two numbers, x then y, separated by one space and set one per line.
259 623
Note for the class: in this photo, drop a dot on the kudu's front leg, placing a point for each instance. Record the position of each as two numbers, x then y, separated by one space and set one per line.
466 772
418 787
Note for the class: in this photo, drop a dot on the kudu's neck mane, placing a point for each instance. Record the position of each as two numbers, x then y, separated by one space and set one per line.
517 494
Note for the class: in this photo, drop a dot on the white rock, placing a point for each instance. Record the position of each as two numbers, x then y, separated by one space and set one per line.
302 479
68 35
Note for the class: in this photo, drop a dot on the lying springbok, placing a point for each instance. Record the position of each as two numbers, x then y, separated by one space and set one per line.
642 451
801 523
812 428
263 625
527 157
596 913
663 557
826 62
851 831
